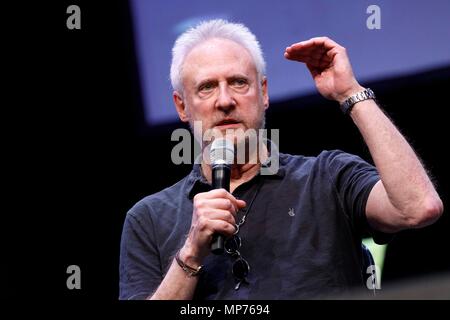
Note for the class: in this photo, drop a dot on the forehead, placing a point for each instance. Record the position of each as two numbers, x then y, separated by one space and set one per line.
217 57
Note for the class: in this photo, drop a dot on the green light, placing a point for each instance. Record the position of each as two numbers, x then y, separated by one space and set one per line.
378 252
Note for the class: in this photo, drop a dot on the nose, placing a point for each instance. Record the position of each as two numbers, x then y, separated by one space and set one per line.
225 100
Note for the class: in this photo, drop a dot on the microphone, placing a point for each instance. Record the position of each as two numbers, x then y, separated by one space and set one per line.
221 156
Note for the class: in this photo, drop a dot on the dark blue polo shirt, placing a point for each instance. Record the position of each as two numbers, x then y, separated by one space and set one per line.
301 238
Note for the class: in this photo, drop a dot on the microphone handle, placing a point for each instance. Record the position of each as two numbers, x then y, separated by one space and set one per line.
220 179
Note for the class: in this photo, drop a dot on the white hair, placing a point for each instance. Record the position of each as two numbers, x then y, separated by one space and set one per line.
213 29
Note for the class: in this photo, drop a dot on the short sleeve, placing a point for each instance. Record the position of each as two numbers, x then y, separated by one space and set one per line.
353 179
140 272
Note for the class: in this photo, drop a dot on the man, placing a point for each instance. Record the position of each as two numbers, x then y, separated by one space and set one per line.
294 234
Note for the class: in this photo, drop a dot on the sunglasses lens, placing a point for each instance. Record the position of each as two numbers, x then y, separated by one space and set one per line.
240 269
232 244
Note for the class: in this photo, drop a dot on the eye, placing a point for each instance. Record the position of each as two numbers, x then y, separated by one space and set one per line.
239 82
206 87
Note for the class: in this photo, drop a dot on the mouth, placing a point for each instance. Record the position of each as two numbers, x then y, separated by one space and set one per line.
227 123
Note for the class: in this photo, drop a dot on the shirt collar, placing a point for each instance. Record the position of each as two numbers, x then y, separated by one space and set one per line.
197 183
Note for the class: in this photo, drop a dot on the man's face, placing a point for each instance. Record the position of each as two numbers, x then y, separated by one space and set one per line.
221 88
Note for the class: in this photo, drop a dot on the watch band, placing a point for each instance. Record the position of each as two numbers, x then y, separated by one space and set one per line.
348 104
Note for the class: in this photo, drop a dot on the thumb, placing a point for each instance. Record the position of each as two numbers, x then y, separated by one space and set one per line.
241 204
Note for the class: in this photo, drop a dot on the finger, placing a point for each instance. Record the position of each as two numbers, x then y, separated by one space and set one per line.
309 56
299 48
219 214
321 63
225 228
220 193
301 58
325 42
317 67
213 194
315 54
299 51
305 58
314 47
304 46
331 53
316 60
220 203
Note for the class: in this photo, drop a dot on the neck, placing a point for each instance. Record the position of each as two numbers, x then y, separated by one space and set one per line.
240 173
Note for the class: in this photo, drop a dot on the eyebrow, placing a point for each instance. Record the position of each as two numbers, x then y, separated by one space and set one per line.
232 77
202 82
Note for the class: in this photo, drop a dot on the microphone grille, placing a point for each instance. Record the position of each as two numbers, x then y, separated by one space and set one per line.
221 152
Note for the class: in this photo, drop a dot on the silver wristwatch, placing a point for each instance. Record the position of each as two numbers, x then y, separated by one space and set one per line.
347 105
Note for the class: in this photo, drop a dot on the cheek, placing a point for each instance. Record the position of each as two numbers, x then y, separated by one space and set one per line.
203 112
196 108
255 104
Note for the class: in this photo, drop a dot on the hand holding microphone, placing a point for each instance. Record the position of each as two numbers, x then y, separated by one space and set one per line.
213 211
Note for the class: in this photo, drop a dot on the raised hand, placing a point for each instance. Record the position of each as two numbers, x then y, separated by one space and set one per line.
329 65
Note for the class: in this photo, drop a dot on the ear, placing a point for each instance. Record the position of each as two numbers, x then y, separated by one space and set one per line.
265 93
181 107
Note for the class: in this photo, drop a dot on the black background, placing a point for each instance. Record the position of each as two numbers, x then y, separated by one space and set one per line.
77 154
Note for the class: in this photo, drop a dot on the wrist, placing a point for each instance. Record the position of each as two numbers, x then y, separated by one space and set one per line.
348 93
189 256
190 269
363 95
